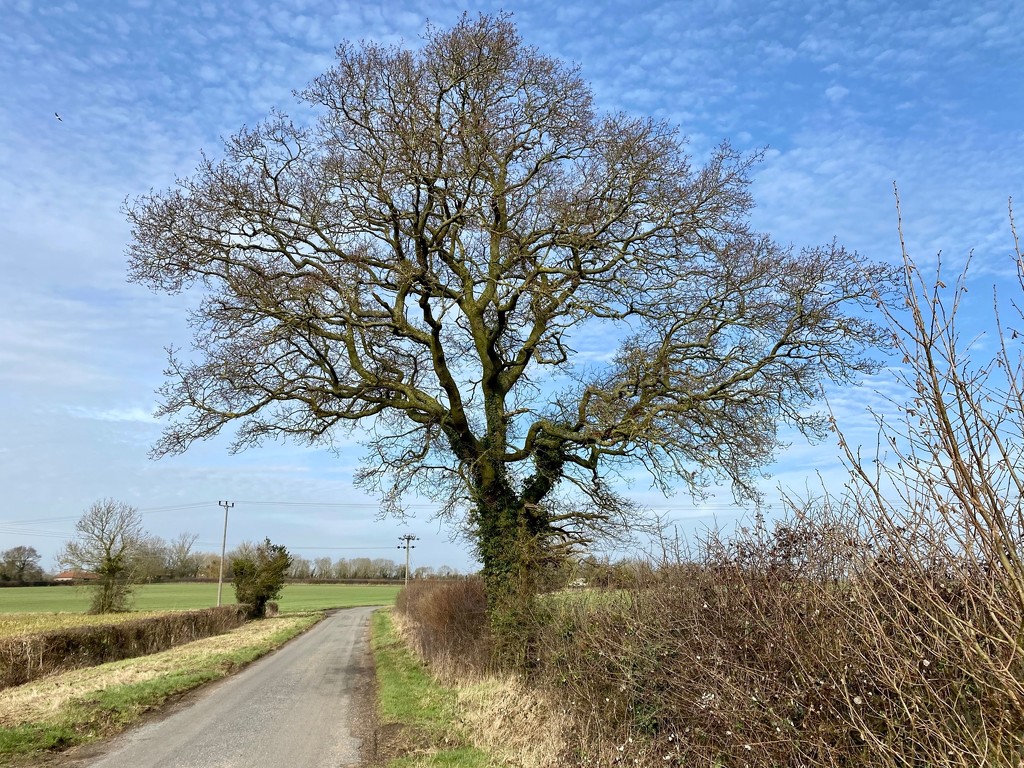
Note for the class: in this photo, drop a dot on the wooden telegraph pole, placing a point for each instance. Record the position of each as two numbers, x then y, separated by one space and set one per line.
223 546
408 539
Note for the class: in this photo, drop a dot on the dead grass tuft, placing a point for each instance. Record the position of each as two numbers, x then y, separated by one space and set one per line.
446 620
445 625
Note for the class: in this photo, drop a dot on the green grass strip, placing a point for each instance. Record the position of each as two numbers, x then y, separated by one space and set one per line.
190 596
408 696
108 711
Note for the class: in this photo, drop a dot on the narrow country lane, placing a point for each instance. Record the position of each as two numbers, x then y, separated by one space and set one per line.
291 709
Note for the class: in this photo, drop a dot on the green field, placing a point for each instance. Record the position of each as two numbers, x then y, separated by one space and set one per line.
171 597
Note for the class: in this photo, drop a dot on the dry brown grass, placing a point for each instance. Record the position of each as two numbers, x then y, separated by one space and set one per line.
445 622
520 726
42 699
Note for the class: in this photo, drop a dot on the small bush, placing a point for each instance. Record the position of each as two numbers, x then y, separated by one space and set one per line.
259 577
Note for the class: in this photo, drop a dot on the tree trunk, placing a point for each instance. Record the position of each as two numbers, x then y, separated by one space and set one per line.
511 539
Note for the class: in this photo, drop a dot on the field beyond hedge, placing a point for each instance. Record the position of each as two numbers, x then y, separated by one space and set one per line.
190 596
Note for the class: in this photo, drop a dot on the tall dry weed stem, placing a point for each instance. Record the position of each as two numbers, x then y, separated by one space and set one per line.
942 507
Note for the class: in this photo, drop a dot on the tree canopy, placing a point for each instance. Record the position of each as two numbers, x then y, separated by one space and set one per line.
20 564
108 536
426 260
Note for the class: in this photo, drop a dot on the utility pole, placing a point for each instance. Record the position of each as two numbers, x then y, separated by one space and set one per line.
223 547
408 539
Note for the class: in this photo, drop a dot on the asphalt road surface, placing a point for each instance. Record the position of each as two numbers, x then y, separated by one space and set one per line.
294 708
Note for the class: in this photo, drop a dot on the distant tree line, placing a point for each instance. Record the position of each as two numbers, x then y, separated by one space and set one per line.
144 559
362 568
158 560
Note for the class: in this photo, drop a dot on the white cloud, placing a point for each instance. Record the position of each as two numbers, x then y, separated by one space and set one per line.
836 93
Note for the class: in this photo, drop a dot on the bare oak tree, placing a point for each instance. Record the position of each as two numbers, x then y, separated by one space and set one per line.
108 537
424 261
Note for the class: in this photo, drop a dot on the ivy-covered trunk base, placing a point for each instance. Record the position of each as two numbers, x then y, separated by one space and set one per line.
111 594
511 552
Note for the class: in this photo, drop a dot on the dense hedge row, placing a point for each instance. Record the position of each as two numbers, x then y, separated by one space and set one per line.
27 658
447 622
797 646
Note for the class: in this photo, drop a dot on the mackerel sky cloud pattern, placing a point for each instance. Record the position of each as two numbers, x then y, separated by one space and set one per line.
845 97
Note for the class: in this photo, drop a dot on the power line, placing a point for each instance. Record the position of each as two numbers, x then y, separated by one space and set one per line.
668 507
343 504
39 520
363 505
375 549
33 532
310 546
175 507
144 511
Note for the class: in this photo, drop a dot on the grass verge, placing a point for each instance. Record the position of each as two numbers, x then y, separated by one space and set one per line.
419 721
66 710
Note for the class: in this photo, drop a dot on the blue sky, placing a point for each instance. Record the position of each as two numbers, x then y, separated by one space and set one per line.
848 98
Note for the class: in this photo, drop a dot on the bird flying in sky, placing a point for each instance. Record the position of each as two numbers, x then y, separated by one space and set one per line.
58 117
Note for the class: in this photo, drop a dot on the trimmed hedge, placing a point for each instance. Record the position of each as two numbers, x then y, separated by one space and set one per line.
26 658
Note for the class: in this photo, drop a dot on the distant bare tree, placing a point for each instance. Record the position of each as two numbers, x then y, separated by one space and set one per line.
209 565
323 568
182 562
300 568
108 536
426 260
20 564
385 568
244 549
361 568
149 562
343 569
